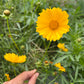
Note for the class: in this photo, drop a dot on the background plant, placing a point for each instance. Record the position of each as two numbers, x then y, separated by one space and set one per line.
22 26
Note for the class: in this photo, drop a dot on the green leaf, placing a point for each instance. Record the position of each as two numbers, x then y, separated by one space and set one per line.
72 58
60 59
76 73
71 76
79 80
64 81
81 61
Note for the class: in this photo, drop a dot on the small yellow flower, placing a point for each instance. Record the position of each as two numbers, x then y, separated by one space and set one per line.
7 75
58 65
62 46
11 57
65 49
52 23
21 59
62 69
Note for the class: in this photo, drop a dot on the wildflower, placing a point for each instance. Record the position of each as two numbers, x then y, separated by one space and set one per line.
65 49
55 83
58 65
6 12
62 69
52 23
46 62
51 62
54 73
79 40
11 57
21 59
9 36
7 75
61 46
38 3
22 47
12 7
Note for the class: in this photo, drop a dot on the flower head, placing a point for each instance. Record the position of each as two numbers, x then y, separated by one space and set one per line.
51 62
6 12
58 65
46 62
62 69
61 46
11 57
7 75
52 23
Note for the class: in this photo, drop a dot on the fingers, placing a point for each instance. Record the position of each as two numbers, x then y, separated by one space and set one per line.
5 83
25 75
33 79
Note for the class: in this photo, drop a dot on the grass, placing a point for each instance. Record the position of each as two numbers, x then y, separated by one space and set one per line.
22 24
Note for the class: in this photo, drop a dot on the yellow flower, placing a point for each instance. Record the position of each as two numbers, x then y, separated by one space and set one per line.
61 46
62 69
7 75
11 57
65 49
21 59
52 23
58 65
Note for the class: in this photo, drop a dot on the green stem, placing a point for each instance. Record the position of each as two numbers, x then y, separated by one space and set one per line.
53 80
36 9
3 67
11 36
46 51
24 11
47 47
14 71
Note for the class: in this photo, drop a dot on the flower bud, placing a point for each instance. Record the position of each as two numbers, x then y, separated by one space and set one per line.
54 73
12 8
79 39
9 36
22 47
51 62
38 3
55 83
6 12
46 62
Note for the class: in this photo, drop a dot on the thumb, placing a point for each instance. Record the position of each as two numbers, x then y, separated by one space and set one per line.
33 78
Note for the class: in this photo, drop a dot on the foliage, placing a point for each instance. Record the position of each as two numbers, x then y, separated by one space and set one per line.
22 24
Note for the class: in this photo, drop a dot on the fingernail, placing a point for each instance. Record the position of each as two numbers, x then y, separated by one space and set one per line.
34 70
37 74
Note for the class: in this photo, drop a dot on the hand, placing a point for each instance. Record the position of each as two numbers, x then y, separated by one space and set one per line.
31 75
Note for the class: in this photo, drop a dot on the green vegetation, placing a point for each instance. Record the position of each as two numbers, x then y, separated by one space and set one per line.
18 35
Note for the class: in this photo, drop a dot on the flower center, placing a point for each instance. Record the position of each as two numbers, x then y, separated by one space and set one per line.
53 25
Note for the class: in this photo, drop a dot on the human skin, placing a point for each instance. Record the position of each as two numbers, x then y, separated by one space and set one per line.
26 75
